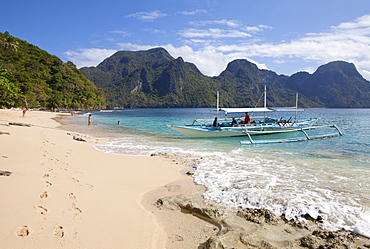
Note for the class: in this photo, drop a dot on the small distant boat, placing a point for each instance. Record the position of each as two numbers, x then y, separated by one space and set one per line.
257 125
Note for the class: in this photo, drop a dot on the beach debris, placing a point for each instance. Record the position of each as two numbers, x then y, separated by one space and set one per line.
82 138
20 124
5 173
190 173
4 133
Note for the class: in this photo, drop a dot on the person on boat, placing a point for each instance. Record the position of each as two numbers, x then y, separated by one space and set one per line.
215 122
233 122
247 119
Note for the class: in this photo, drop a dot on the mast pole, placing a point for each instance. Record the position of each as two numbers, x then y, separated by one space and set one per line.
265 103
296 106
218 103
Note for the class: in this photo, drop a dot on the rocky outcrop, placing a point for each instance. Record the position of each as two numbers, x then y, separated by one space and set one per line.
260 228
5 173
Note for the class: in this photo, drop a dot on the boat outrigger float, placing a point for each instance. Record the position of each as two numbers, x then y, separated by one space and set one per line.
304 130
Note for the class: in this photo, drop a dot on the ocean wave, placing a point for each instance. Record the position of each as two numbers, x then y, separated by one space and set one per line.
293 189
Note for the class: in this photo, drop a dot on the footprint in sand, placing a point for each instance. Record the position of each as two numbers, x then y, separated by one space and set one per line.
44 194
59 232
48 184
90 186
46 175
23 231
76 210
72 196
42 210
75 180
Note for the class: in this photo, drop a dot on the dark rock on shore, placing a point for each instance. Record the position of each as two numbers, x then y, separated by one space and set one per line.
82 138
5 173
20 124
260 228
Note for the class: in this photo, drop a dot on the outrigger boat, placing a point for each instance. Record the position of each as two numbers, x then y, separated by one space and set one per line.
257 125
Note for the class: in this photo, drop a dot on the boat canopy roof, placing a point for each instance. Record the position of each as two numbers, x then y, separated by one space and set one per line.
234 110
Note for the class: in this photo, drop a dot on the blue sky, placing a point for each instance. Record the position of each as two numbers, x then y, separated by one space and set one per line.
285 36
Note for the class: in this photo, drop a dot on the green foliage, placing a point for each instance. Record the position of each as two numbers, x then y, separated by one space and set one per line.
9 92
44 80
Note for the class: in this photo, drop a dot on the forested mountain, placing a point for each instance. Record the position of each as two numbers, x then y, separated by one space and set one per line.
31 77
153 78
336 84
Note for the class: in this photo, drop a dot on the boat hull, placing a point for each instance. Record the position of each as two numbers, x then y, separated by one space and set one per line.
209 132
198 132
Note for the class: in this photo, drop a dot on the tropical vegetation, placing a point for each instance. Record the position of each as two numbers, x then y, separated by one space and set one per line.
30 77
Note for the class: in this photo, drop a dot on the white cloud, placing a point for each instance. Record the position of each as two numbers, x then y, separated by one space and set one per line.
208 60
213 33
229 23
148 16
120 32
88 57
348 41
156 31
365 74
194 12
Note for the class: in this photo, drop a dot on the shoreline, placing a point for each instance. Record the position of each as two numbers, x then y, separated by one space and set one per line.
64 193
58 192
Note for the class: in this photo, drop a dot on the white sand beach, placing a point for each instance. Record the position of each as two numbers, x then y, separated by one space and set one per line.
58 192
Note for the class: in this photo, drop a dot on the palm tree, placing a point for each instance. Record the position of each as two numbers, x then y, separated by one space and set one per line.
9 43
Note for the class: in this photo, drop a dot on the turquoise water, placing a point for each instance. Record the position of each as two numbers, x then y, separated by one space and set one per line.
328 177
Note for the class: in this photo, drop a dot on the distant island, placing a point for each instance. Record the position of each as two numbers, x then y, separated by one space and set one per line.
153 78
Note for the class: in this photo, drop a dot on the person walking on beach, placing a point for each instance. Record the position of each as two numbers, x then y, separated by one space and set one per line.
89 119
24 110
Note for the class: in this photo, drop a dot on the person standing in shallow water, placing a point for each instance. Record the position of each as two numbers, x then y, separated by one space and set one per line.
89 119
